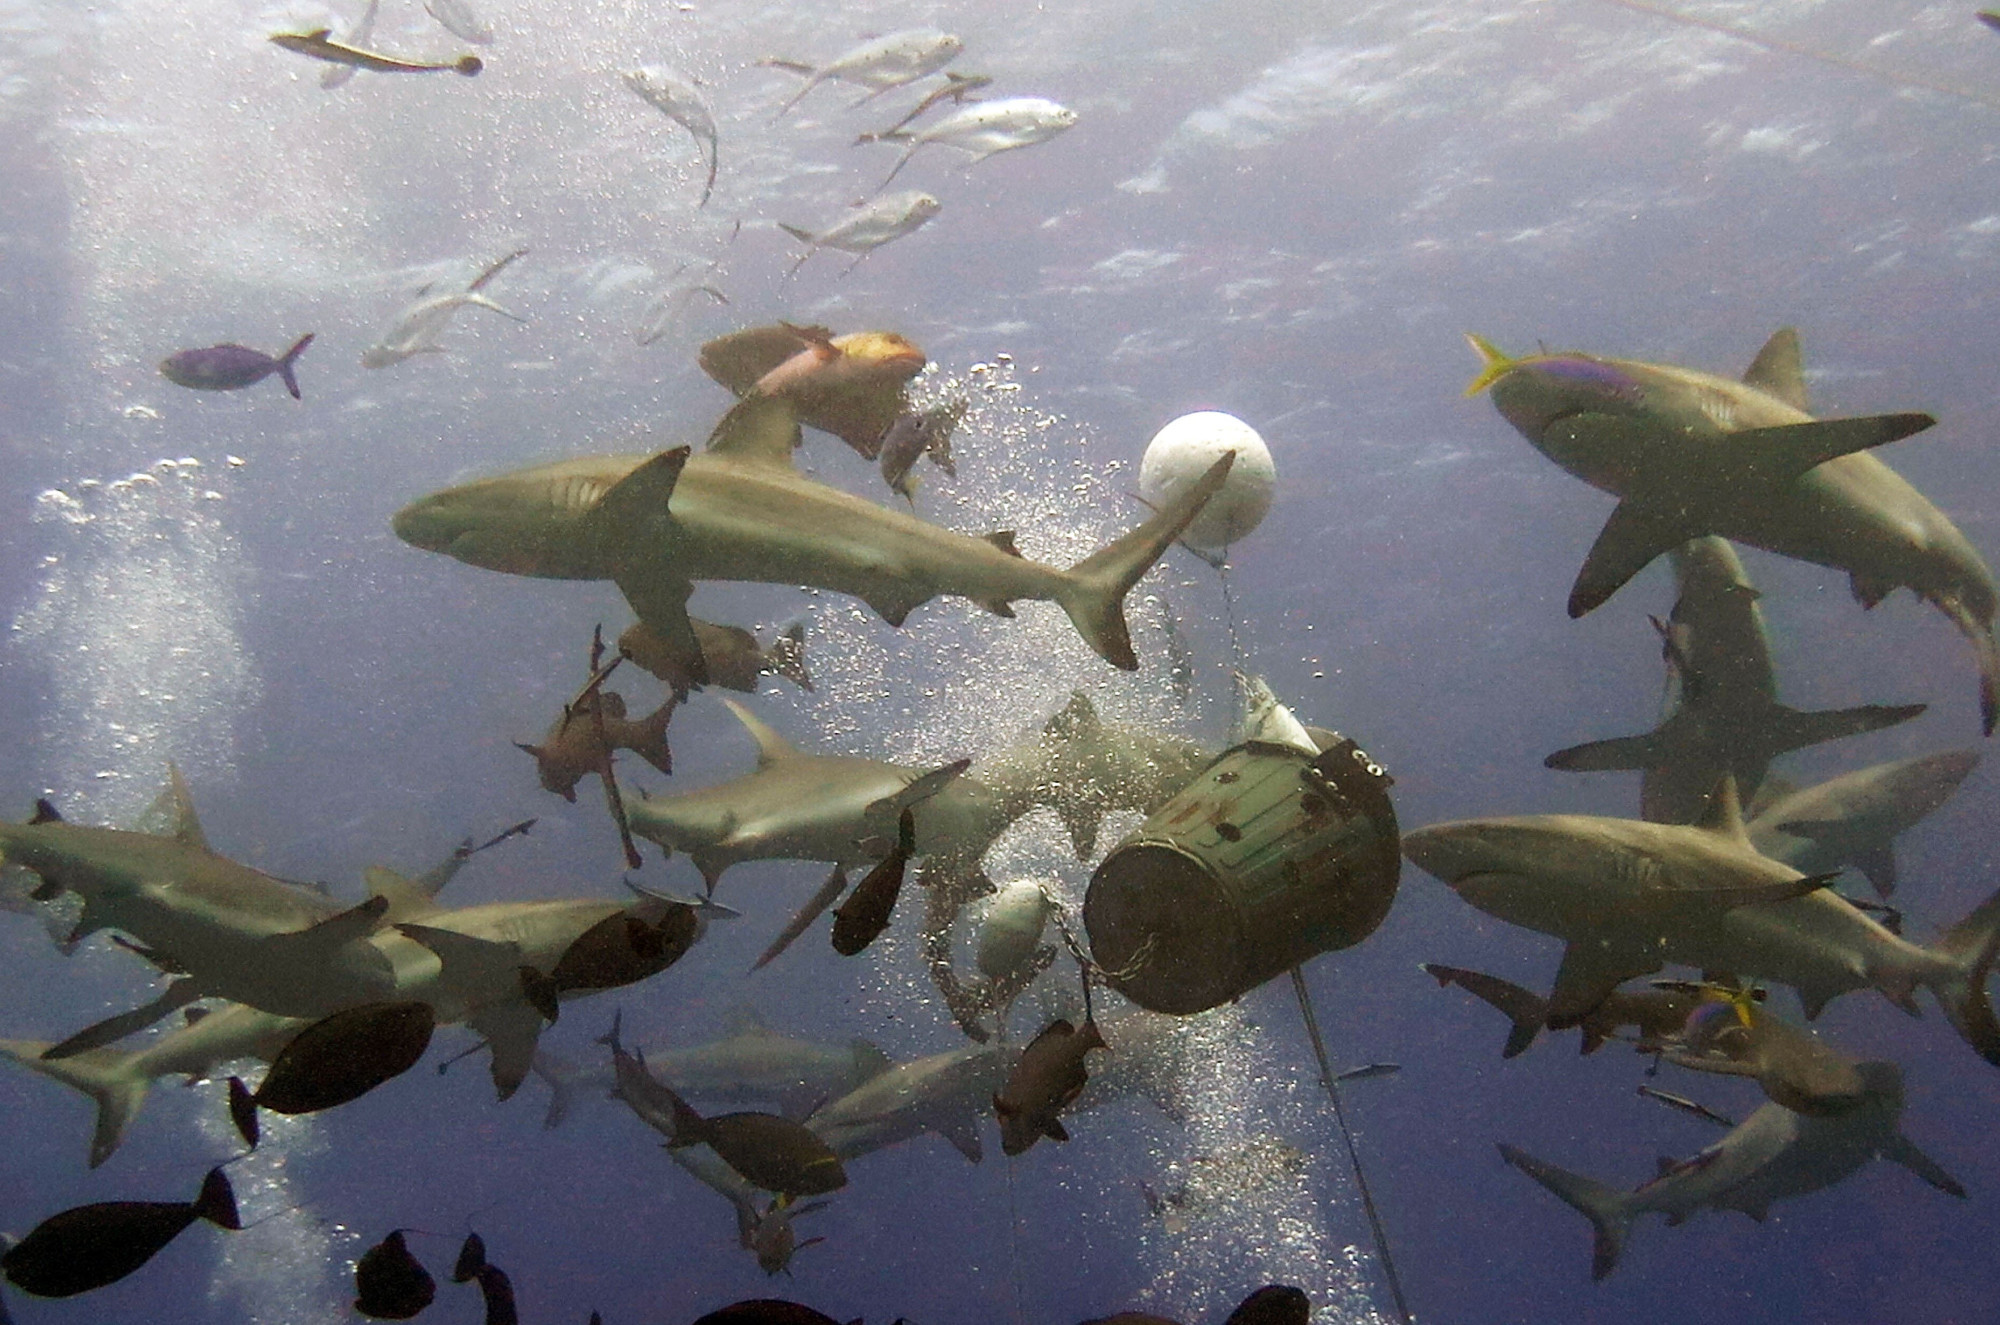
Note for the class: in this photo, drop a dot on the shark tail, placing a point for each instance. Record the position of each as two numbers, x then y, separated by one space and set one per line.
1608 1209
1493 364
288 359
787 657
106 1075
1980 633
1971 946
1093 591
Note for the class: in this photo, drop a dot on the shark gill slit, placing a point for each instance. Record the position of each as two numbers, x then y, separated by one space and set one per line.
1375 1228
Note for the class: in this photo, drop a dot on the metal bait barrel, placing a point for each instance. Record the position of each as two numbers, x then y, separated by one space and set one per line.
1271 856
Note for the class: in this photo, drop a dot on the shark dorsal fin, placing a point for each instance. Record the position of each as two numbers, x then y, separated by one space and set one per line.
869 1061
1075 717
640 500
761 430
1778 369
406 900
1724 813
771 747
319 34
745 1020
172 813
1004 540
45 812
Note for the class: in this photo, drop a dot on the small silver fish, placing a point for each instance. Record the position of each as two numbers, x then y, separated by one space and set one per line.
417 326
917 434
878 65
870 226
669 306
320 45
986 127
676 97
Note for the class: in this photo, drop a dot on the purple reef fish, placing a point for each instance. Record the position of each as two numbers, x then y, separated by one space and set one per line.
232 367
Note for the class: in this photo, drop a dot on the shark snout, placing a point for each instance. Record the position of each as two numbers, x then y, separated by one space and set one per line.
1455 852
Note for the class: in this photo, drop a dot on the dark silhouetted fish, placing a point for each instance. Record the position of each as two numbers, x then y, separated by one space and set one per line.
498 1290
735 662
915 435
1048 1077
768 1311
232 367
94 1245
865 914
621 949
471 1260
390 1283
773 1153
343 1057
1273 1304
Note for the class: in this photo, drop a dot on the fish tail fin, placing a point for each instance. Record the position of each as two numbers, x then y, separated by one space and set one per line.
787 657
804 236
106 1075
1980 633
217 1201
1607 1209
812 77
1971 946
1093 591
650 742
897 169
288 359
1493 365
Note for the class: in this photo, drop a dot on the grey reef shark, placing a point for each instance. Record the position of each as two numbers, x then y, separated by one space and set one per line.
225 930
1627 897
1723 714
740 510
1689 453
1773 1155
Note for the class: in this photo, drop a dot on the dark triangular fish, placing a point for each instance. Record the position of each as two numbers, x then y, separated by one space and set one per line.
498 1290
859 920
390 1283
344 1056
93 1245
781 1156
1273 1304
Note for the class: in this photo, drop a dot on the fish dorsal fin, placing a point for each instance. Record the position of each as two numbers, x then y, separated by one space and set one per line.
320 34
1074 718
761 430
745 1020
1004 540
172 813
869 1061
1779 370
1493 365
1724 813
406 900
45 813
771 747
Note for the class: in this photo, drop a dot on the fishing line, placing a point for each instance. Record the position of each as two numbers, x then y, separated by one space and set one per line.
1353 1154
1229 613
1783 47
1014 1246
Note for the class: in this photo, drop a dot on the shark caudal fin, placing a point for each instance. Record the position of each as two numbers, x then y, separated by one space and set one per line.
106 1075
1608 1209
1970 946
288 359
1093 592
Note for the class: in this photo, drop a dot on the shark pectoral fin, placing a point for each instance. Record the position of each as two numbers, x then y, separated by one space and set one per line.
311 946
920 789
1901 1150
405 899
1790 729
172 813
1527 1010
511 1031
473 968
1636 533
175 997
661 603
1617 754
961 1128
762 430
1779 455
1779 369
1589 972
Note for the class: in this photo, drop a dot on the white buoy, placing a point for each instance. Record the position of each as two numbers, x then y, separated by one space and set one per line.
1182 452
